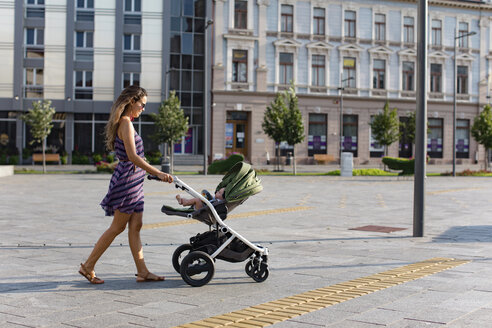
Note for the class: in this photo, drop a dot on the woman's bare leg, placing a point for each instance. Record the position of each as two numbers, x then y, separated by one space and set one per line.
134 227
117 226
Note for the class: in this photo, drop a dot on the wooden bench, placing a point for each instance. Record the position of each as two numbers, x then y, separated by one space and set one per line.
323 158
48 158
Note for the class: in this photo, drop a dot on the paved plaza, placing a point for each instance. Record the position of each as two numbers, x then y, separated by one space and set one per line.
49 223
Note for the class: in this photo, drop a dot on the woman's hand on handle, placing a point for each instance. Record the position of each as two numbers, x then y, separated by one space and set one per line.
165 177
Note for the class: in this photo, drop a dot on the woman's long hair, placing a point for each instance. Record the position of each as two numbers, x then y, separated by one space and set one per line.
128 96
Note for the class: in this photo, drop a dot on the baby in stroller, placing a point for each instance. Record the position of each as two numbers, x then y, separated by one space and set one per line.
195 260
196 203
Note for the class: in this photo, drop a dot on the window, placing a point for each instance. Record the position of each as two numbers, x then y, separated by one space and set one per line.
348 72
131 46
34 41
434 138
463 40
84 39
131 42
350 131
378 74
131 79
408 29
85 4
318 70
408 73
33 83
287 18
35 9
319 21
380 27
350 23
286 61
317 134
375 149
436 32
241 14
133 5
239 66
83 85
462 138
85 10
436 76
462 80
34 36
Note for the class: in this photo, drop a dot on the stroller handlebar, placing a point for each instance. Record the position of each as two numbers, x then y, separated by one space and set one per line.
176 181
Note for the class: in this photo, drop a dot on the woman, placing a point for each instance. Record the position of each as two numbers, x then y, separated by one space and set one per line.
125 198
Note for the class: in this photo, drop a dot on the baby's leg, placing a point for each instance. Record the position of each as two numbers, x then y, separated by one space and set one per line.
197 203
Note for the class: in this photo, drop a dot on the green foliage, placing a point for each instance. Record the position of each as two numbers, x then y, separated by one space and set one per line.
405 165
170 122
39 118
78 158
411 127
224 165
13 159
26 153
364 172
293 126
273 120
97 158
110 157
154 157
385 126
482 128
106 167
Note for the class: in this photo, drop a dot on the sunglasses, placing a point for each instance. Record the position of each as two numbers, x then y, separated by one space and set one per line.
142 105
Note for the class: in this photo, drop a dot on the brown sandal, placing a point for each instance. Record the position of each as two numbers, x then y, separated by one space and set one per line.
93 279
149 277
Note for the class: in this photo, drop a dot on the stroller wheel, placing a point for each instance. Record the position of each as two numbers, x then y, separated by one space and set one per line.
179 254
197 269
259 274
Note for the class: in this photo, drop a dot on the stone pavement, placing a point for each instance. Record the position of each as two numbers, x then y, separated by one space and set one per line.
49 223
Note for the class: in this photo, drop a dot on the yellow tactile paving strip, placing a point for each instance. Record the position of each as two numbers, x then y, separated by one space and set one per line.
269 313
229 217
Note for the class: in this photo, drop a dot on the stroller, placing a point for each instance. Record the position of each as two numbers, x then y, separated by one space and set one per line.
195 261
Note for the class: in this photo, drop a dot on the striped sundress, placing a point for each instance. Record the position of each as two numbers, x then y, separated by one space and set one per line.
126 187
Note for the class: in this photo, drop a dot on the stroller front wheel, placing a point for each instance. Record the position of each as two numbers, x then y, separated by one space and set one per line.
259 273
197 268
178 256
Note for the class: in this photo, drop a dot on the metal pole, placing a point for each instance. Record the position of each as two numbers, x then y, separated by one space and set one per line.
205 101
454 105
421 123
341 121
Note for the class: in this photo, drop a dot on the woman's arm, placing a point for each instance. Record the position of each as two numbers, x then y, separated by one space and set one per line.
126 132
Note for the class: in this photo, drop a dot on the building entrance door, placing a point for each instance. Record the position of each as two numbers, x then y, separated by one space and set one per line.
236 133
405 146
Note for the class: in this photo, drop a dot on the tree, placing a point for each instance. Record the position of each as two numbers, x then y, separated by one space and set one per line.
293 126
40 118
385 127
273 122
482 130
171 124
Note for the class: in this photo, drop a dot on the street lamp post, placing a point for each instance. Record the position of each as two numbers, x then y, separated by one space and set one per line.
341 88
205 101
454 94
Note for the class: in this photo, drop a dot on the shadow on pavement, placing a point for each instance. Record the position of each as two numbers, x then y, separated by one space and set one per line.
466 234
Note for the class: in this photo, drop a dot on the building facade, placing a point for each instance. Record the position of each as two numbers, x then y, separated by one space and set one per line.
80 54
365 49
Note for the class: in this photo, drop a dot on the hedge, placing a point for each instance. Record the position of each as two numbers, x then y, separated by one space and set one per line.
223 165
405 165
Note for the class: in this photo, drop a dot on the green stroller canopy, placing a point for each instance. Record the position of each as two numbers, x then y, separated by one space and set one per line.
240 182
